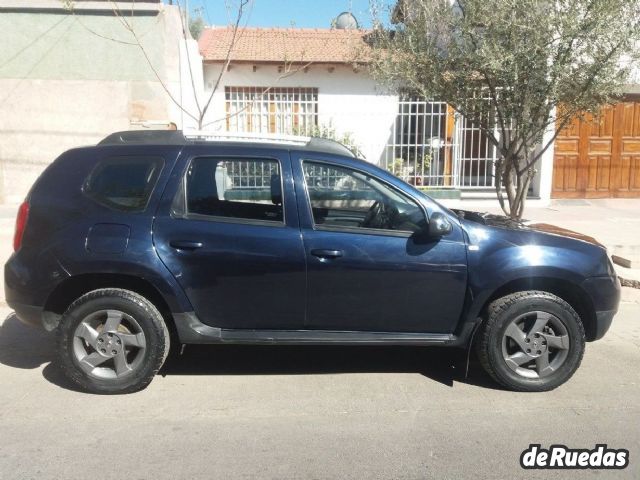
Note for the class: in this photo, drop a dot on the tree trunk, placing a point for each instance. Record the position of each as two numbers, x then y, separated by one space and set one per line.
514 184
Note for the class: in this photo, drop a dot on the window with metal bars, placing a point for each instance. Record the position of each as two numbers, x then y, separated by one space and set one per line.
431 145
420 150
292 111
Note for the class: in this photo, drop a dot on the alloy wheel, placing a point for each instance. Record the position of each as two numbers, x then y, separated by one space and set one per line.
109 344
535 344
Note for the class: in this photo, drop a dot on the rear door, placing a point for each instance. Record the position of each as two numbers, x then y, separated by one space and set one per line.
228 230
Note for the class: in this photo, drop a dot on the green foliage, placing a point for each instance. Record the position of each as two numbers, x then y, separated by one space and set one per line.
515 68
396 167
404 169
196 26
329 132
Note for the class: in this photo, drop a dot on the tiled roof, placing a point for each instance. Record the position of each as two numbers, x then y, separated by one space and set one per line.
296 45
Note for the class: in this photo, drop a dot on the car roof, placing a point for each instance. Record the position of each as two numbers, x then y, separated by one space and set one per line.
177 137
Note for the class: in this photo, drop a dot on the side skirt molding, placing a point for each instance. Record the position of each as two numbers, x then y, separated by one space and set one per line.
191 330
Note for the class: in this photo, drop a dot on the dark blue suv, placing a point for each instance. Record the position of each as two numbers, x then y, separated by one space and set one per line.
151 236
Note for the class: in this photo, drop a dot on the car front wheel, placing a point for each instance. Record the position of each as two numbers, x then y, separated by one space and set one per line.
531 341
112 341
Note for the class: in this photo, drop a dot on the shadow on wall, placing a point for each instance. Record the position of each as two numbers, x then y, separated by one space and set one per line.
28 348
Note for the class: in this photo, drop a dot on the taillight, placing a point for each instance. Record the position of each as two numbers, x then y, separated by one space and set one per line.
21 223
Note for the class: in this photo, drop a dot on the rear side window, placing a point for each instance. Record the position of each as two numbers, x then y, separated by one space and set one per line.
124 183
242 189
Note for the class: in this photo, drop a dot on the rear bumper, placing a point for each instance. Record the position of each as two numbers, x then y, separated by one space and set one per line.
28 314
24 293
605 295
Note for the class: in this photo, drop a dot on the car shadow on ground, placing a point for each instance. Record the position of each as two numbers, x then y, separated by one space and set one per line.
25 347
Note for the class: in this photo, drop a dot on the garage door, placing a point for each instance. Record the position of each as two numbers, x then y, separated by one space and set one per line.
599 156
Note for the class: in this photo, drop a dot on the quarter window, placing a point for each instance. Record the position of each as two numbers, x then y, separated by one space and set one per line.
235 188
124 183
345 198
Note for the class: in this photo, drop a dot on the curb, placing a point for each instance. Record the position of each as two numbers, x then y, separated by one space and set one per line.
625 282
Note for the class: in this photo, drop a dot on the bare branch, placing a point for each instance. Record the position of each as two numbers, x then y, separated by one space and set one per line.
236 25
193 83
138 43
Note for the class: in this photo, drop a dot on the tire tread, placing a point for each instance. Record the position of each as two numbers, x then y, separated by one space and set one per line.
72 372
495 311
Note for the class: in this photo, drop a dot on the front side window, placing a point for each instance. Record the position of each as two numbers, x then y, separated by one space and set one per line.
346 198
124 183
249 189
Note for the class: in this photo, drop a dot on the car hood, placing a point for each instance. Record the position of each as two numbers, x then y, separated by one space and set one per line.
502 221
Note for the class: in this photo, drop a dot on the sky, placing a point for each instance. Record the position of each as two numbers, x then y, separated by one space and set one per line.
285 13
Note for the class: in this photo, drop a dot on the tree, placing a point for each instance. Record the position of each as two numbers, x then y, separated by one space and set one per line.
196 24
520 70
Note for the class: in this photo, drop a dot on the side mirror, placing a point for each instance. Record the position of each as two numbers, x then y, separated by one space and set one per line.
439 225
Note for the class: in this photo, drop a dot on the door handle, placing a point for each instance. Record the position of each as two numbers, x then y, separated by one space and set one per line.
185 245
325 254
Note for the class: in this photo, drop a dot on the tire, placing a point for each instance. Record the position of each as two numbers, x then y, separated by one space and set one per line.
112 341
544 351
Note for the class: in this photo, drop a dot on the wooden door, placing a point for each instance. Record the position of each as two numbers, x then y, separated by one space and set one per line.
629 151
599 156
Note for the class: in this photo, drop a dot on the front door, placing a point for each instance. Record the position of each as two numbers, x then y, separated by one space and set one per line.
369 266
231 239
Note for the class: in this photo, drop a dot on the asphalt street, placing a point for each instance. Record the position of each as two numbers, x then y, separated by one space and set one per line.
311 412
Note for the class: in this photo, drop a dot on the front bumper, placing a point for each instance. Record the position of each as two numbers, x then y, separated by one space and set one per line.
605 295
603 322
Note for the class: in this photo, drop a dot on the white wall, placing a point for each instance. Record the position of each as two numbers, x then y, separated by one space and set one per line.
188 87
347 99
543 180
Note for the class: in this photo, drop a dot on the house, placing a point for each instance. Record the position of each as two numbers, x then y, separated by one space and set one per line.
304 80
293 80
290 80
70 77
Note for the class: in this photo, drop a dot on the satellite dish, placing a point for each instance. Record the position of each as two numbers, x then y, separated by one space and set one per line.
346 21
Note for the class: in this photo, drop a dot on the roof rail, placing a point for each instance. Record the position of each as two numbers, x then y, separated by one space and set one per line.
142 137
245 136
177 137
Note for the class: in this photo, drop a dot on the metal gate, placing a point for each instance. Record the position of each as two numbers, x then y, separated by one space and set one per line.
433 146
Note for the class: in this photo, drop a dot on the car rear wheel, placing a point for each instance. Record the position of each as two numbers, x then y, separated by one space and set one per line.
112 341
531 341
